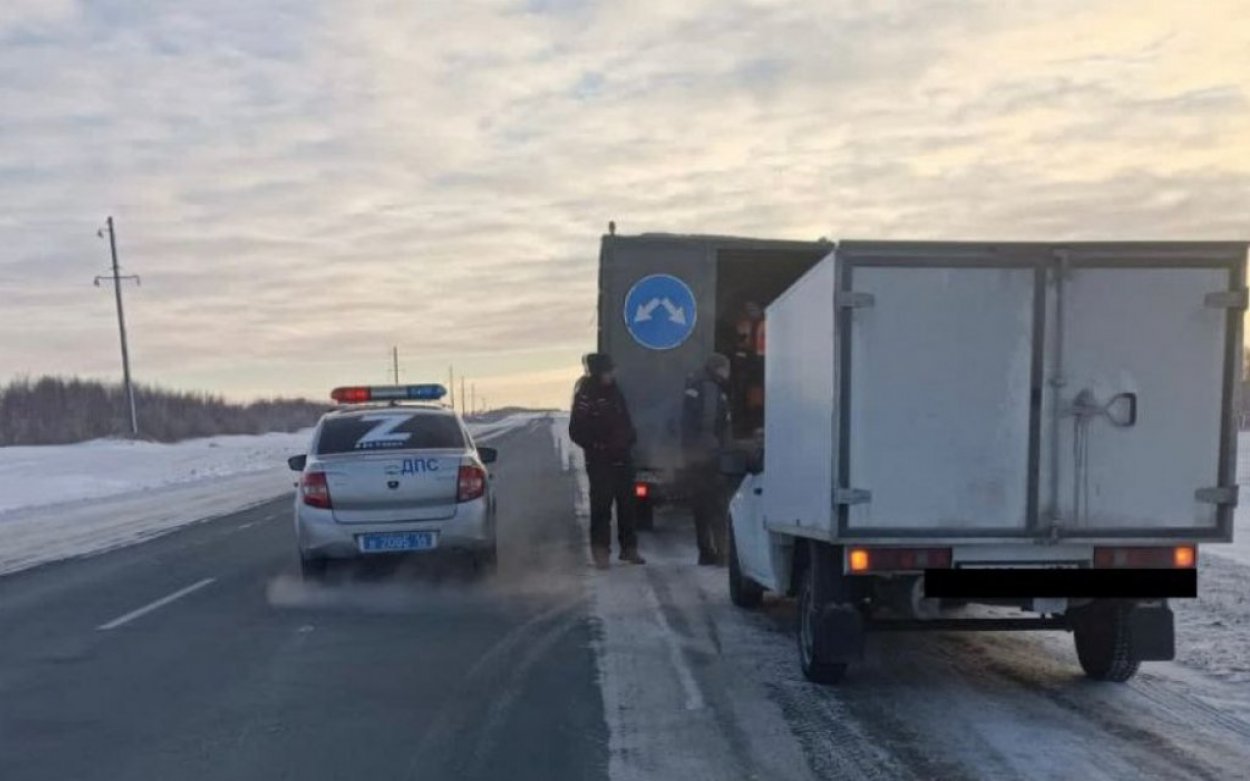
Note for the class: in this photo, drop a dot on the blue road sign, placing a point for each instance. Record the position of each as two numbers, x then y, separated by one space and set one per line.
660 312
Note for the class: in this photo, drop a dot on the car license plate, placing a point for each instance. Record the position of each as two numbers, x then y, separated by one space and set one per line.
390 542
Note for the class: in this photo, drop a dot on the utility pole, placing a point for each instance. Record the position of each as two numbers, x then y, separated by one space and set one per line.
117 278
451 384
395 363
463 409
473 397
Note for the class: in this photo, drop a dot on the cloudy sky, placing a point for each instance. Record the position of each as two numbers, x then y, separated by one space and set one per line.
303 183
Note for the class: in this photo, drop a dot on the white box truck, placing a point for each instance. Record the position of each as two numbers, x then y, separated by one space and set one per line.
1044 428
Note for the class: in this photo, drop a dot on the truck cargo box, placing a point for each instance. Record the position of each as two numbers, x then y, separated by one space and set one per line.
716 274
1006 391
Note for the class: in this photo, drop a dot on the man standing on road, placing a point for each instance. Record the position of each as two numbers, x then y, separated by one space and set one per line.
601 426
705 428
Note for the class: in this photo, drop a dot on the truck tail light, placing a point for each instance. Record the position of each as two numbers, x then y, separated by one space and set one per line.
897 559
1152 557
642 490
471 483
315 490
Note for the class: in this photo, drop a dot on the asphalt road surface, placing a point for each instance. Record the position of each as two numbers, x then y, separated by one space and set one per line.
414 672
201 655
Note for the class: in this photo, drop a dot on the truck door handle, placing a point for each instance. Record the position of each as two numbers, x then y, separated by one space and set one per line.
758 491
1131 398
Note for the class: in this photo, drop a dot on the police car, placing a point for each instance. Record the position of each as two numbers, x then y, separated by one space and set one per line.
392 471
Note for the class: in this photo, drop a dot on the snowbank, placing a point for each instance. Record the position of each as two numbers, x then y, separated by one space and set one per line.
61 501
53 474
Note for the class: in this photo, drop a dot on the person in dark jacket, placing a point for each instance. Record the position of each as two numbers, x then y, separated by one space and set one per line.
601 426
705 432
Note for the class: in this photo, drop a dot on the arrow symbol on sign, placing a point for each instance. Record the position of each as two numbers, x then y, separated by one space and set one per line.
644 310
675 313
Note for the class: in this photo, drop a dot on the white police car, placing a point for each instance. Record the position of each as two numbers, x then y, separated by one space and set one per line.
392 471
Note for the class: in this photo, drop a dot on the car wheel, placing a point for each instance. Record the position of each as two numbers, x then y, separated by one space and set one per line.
486 564
811 602
1104 646
743 591
312 568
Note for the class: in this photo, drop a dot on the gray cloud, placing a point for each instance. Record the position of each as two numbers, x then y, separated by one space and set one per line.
303 184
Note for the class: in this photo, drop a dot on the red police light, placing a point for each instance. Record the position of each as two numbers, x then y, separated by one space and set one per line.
350 395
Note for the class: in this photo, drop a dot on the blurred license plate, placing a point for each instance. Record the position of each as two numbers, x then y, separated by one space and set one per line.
390 542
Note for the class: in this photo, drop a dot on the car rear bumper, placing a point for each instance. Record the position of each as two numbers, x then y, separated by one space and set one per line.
471 529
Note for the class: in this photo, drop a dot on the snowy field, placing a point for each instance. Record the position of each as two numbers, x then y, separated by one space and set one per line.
61 501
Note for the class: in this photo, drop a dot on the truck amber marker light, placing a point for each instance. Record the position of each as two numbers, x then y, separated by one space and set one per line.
859 560
1185 556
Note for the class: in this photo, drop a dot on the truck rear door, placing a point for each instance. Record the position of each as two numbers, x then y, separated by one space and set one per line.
1145 341
939 390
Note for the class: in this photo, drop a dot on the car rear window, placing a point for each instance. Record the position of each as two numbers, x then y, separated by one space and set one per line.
389 430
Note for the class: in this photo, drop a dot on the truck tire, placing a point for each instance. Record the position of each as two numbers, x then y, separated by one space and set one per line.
743 591
1104 646
814 594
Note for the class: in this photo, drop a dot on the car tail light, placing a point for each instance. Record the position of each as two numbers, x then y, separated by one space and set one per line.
642 490
315 490
1152 557
897 559
471 484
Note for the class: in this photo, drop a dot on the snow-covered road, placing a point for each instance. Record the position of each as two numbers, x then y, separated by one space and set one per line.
691 687
695 688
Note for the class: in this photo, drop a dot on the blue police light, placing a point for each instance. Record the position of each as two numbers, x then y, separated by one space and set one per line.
426 392
361 394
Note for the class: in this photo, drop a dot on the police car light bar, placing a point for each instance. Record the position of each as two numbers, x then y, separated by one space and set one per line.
364 393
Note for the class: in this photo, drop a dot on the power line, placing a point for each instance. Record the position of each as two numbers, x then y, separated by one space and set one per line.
117 278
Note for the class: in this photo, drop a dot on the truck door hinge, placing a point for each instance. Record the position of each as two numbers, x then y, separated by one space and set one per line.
1218 494
854 299
852 496
1228 299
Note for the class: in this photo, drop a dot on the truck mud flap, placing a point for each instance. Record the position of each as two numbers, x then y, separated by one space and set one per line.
1056 583
840 634
1151 633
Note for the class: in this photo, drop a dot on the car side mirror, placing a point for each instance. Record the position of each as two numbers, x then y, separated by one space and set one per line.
297 463
489 455
733 464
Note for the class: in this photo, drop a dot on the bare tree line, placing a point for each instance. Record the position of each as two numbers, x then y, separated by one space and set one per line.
56 410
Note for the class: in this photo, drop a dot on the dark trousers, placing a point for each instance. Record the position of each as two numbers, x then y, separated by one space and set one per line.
708 503
611 484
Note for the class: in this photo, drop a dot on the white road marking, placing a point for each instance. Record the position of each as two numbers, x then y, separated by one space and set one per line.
694 697
148 608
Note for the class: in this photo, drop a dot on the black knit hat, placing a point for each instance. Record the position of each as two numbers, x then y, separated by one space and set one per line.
598 363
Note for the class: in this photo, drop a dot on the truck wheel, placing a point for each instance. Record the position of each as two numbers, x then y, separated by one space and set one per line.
1104 646
743 591
810 605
